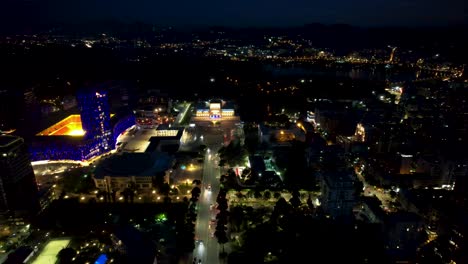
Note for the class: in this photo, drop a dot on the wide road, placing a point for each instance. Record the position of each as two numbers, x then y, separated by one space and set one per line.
208 250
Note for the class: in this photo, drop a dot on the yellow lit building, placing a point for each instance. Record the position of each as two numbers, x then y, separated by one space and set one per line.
215 109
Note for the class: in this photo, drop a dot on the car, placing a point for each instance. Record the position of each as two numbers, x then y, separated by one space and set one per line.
199 242
208 187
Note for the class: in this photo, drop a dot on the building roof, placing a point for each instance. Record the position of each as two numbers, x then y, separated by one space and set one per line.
7 140
133 164
257 163
339 179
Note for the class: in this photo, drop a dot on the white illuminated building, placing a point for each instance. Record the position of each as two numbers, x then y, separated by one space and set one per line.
214 109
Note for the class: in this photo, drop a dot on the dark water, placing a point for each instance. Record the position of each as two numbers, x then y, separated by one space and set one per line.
373 73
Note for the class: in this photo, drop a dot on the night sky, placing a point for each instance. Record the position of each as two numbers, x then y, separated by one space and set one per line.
239 12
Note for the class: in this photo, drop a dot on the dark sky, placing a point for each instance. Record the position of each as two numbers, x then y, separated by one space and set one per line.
239 12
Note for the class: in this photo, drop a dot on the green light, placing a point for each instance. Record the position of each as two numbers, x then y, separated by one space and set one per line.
160 218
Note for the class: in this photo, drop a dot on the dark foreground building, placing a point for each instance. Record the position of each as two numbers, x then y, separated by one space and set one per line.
18 188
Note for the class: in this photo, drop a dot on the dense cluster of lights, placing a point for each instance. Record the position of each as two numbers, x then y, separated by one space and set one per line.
98 138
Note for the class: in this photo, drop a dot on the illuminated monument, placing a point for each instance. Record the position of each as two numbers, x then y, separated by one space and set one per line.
215 109
84 136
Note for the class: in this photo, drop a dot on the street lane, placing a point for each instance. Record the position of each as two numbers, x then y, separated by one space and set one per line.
208 250
214 137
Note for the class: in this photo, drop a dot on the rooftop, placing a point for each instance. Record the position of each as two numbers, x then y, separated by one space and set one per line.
7 140
133 164
51 250
70 126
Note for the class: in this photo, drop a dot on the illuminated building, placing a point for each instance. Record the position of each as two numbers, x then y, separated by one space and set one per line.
84 136
119 171
360 134
120 123
18 188
70 126
95 117
406 164
215 109
150 116
280 136
153 109
166 139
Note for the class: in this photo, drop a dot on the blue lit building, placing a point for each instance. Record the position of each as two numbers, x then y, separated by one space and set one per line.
120 123
84 136
95 118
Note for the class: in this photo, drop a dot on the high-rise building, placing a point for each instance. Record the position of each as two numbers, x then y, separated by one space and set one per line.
84 136
338 194
18 188
95 117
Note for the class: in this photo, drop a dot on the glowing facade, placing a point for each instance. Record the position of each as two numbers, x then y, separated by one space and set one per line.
84 136
215 109
70 126
95 117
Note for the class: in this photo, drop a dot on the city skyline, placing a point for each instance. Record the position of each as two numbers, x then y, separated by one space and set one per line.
245 132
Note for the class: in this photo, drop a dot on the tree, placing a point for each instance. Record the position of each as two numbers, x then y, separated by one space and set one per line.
65 256
158 180
222 163
236 216
165 189
257 194
222 218
201 148
222 206
222 237
267 195
196 182
309 203
359 187
281 206
192 216
276 195
295 200
196 192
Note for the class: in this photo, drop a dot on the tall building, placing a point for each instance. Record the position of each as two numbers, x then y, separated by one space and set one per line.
84 136
95 117
18 188
338 194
